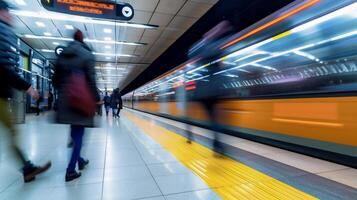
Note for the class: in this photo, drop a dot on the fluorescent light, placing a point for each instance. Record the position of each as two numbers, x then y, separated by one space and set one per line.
86 40
69 27
56 43
47 34
47 37
111 68
114 42
47 50
108 58
72 18
109 75
113 55
107 47
21 2
107 38
40 24
107 30
108 55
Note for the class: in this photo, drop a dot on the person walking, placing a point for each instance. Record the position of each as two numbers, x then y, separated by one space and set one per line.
75 81
120 102
114 102
9 79
38 105
50 100
106 100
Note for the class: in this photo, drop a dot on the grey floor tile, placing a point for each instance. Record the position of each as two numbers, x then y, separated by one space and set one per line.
180 183
165 169
196 195
19 193
158 156
127 173
154 198
77 192
113 162
130 189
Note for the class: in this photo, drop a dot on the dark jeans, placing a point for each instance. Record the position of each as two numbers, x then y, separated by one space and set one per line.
77 133
115 110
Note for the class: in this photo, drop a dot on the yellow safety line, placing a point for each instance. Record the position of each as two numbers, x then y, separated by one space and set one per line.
229 178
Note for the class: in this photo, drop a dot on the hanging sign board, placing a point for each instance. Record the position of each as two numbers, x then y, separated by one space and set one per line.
59 50
91 8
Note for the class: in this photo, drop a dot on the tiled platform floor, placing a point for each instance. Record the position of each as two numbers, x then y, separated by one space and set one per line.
125 163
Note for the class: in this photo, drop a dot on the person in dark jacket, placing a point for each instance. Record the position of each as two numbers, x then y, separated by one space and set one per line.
76 57
38 105
114 103
120 100
50 100
9 79
106 100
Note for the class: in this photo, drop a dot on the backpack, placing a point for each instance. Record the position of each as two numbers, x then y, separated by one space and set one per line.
80 97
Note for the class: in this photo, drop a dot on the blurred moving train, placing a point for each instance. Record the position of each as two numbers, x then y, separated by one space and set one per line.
289 80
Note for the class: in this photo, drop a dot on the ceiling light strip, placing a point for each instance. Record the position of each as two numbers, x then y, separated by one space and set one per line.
95 53
86 40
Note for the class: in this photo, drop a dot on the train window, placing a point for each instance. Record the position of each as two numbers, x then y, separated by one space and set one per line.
316 57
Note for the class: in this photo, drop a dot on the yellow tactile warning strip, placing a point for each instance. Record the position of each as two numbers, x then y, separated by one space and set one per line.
229 178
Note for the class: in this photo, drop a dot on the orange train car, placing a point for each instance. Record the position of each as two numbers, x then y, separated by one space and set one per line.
291 83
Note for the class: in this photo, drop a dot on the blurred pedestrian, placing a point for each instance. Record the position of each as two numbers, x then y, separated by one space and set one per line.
50 100
9 79
75 81
106 100
114 102
38 105
120 102
208 94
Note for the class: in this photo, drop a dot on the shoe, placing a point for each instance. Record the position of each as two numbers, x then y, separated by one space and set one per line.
70 176
82 164
30 171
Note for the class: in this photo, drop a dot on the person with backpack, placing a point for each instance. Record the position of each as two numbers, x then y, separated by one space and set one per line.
75 82
9 80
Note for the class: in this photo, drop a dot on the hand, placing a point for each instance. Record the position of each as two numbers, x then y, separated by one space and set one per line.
100 102
33 93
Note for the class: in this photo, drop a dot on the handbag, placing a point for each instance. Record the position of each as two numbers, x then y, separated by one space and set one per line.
80 96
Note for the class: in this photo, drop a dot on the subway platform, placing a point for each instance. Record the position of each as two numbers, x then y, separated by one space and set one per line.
141 156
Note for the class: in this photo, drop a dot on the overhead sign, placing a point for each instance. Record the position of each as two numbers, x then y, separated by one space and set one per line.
59 50
91 8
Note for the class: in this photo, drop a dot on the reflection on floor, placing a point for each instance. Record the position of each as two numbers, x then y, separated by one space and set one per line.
126 162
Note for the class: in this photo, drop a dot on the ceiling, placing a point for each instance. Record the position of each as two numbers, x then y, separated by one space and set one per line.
122 51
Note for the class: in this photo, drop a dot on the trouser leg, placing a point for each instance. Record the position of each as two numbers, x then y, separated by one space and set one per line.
107 110
5 119
77 133
114 112
118 112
